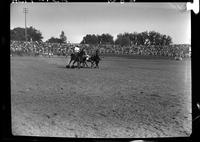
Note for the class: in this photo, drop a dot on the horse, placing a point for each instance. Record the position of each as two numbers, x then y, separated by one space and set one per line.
77 57
94 59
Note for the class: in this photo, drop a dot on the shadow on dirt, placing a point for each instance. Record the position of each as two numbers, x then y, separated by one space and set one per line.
75 67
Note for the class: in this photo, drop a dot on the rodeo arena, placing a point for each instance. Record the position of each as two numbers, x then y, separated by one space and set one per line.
110 92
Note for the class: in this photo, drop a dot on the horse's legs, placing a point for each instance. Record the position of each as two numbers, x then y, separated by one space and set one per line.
69 62
92 64
68 65
97 64
86 64
73 63
83 64
78 64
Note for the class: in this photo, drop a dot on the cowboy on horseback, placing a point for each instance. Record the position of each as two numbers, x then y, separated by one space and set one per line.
77 56
81 57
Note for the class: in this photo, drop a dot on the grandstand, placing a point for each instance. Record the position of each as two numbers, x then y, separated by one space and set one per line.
43 48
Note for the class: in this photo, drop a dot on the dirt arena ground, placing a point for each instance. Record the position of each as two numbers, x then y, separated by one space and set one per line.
125 98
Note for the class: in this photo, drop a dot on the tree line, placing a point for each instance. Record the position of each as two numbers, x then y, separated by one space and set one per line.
128 39
125 39
34 35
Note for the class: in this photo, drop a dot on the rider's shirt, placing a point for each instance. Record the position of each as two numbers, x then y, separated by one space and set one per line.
76 49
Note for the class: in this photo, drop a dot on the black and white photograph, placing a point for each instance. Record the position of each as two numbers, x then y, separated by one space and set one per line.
100 70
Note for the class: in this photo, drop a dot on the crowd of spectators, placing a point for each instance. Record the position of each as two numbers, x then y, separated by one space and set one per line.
169 51
37 48
44 48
